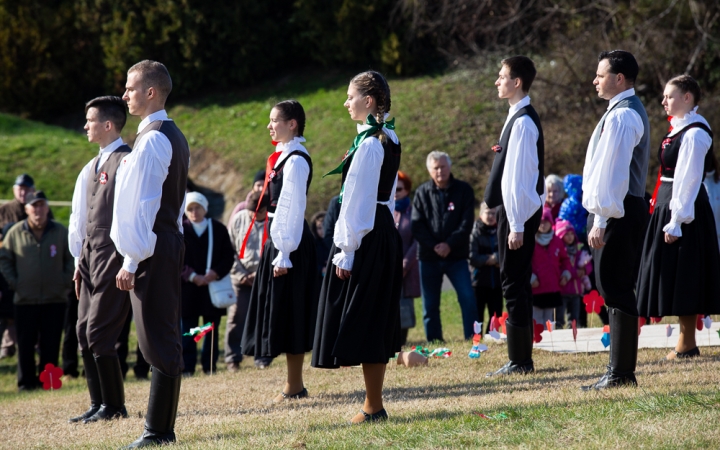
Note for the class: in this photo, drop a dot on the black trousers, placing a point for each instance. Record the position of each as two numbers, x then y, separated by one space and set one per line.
492 297
70 340
616 265
37 324
516 268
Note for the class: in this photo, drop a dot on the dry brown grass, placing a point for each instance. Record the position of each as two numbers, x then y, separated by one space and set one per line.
431 407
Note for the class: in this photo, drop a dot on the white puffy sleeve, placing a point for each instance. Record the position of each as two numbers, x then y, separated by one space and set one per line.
689 172
77 228
138 192
606 176
287 225
357 212
519 181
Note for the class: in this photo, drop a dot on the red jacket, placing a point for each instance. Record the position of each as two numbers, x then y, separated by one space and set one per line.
548 264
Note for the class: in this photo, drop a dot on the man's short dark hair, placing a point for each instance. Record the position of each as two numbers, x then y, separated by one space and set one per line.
521 67
110 108
154 74
622 62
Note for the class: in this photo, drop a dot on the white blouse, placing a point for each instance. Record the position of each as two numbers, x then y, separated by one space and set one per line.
606 176
289 218
138 193
77 228
689 171
357 212
520 176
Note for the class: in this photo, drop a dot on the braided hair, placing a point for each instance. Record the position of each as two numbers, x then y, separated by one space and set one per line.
374 84
292 110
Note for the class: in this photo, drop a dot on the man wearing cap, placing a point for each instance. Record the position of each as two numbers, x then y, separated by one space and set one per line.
10 213
103 308
37 264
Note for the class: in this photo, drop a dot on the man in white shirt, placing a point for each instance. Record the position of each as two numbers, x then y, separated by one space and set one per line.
103 308
517 188
613 192
147 231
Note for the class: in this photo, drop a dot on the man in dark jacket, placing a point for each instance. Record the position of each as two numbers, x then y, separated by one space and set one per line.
37 264
442 219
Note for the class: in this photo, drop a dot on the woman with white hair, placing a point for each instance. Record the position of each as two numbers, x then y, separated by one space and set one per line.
195 279
555 194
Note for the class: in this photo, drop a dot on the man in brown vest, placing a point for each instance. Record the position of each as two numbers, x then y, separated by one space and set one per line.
103 308
147 231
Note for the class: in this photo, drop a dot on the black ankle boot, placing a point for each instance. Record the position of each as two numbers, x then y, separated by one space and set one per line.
93 382
113 390
623 352
162 410
519 343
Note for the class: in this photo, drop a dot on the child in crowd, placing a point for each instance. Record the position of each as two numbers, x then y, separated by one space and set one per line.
484 259
551 270
580 282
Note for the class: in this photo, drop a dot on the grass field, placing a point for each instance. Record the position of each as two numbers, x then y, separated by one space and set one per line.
676 406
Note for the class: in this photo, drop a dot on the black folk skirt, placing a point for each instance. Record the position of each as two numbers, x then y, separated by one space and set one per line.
282 310
358 319
682 278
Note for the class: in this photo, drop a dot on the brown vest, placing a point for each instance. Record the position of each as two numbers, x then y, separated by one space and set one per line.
173 189
100 193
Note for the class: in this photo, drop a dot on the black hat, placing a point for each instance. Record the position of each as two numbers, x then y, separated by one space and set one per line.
24 180
34 197
259 176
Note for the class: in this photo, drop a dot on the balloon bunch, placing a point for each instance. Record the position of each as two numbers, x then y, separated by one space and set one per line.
572 209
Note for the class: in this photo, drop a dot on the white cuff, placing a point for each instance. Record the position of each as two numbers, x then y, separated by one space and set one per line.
77 261
673 229
192 277
282 261
344 260
517 228
566 274
600 221
129 265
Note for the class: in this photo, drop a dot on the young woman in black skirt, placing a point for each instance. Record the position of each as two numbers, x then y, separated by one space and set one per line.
283 302
358 318
681 261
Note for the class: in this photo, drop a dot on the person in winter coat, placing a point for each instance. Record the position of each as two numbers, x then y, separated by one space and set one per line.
196 278
580 259
411 268
486 266
551 270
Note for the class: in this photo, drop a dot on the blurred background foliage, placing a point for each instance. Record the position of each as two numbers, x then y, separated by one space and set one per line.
55 54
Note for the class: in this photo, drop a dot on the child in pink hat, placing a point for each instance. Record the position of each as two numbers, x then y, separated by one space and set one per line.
579 284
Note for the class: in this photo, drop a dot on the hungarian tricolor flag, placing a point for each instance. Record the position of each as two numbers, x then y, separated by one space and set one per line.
199 332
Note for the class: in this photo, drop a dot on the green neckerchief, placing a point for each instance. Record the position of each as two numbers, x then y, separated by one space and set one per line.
374 128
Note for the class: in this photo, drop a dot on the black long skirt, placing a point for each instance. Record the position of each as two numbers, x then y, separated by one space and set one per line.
282 311
682 278
358 319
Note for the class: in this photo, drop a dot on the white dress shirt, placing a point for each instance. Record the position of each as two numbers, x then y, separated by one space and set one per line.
289 218
521 172
689 171
606 176
138 193
359 200
77 228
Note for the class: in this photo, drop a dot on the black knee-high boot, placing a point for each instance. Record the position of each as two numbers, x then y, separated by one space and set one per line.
623 352
519 342
162 411
113 390
93 382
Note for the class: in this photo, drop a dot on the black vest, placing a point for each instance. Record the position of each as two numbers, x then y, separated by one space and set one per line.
173 189
100 194
388 170
670 150
276 182
493 191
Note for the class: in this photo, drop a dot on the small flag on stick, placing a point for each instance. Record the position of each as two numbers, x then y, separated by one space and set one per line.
199 332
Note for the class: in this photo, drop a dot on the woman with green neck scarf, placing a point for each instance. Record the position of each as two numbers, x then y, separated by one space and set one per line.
551 270
358 320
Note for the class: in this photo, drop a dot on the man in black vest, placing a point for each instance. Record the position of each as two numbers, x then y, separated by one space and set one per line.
517 187
147 230
102 308
614 175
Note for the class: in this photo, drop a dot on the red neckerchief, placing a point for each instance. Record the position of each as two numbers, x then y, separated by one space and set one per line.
269 174
653 200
